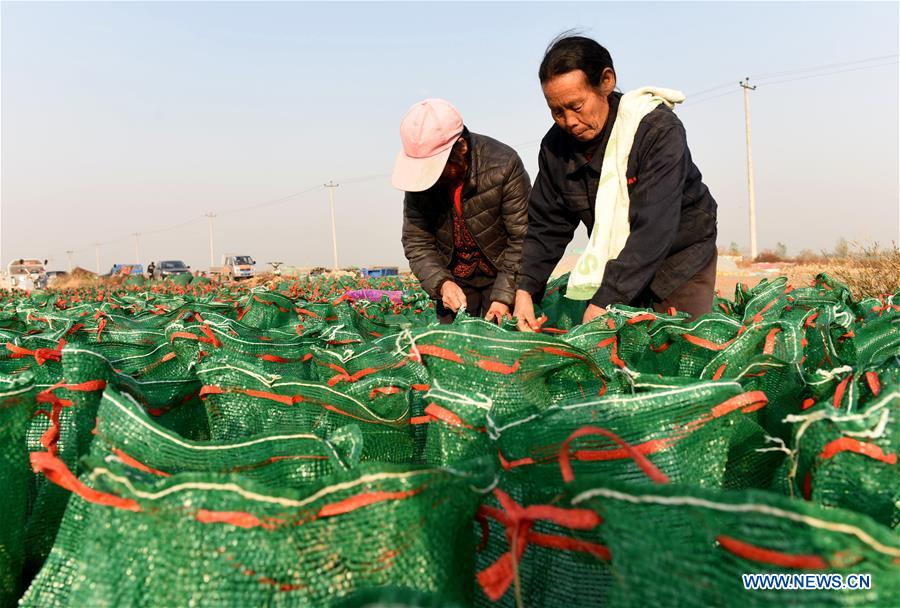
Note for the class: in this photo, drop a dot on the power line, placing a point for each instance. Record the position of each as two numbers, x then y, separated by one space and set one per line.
821 67
867 67
691 102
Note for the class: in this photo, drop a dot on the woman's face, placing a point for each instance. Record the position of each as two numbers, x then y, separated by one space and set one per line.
577 107
457 164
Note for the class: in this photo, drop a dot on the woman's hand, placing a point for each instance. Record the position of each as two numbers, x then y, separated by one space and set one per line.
452 296
497 312
524 312
592 312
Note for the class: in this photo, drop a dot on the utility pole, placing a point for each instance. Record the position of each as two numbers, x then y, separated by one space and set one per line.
331 186
212 257
69 253
97 251
137 247
745 84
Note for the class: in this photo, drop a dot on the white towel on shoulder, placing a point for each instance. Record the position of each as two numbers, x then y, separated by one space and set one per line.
611 225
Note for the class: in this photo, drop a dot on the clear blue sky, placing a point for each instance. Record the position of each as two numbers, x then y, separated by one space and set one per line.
134 117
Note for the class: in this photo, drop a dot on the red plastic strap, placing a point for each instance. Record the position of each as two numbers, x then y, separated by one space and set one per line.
241 519
444 415
136 464
720 371
811 320
498 367
507 464
496 579
613 356
641 318
421 387
437 351
807 486
840 390
303 311
552 350
56 471
808 403
384 390
283 399
758 317
183 334
363 500
646 466
41 355
874 383
210 337
661 348
849 444
768 556
769 347
707 344
100 327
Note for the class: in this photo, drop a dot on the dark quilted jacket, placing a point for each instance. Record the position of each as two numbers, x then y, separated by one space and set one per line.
495 208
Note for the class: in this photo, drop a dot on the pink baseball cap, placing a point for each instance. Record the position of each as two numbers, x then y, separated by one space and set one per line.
428 132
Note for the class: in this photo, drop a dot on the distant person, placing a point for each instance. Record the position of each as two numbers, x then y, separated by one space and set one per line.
464 212
151 267
619 164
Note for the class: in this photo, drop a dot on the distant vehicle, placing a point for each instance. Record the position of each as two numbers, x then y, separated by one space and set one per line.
170 268
125 270
379 271
27 274
234 267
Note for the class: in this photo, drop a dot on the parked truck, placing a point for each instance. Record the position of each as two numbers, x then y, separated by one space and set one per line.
26 274
234 267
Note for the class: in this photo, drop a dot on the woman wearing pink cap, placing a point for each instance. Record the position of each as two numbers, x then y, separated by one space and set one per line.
465 212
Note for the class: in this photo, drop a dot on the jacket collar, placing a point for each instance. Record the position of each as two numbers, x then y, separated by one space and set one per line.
470 183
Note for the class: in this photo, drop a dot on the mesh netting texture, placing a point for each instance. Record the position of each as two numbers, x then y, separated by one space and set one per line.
325 442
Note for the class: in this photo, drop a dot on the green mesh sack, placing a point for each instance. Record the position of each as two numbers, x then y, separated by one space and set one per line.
275 351
704 540
62 424
394 597
135 280
242 400
700 434
265 310
227 540
535 549
182 280
127 433
849 459
516 372
36 354
561 312
17 403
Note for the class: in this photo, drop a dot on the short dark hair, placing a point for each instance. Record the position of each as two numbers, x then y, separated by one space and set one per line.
568 52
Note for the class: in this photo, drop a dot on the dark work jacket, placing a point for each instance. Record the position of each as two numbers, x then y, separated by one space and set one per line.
494 207
672 214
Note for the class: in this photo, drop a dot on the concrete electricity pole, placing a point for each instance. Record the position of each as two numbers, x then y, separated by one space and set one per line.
97 251
212 257
69 253
745 84
331 186
137 247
